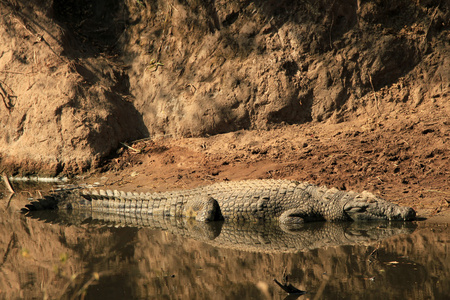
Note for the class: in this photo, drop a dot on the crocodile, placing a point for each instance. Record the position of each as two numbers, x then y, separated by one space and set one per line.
281 201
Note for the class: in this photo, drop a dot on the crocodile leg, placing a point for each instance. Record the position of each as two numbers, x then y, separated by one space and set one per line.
204 209
299 216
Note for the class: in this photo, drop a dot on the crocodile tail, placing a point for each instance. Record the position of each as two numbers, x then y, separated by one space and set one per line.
66 200
45 203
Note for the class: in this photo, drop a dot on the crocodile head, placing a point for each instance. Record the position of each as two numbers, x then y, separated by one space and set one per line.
366 206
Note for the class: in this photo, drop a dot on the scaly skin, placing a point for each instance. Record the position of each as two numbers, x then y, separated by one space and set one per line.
286 202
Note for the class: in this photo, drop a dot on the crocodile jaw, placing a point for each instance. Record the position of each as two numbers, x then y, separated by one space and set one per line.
366 206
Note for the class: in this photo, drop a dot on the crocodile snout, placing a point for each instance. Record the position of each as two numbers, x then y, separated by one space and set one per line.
377 209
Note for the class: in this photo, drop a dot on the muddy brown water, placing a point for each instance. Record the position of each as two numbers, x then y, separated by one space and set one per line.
72 256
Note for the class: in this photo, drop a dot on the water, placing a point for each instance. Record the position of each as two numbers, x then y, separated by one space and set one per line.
72 256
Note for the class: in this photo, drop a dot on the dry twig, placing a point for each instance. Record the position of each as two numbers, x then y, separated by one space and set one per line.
8 183
8 98
131 148
374 93
289 288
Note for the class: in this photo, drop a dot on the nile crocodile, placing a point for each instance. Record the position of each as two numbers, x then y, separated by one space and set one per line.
282 201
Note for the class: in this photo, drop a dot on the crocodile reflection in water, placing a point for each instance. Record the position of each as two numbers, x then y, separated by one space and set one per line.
244 236
241 236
